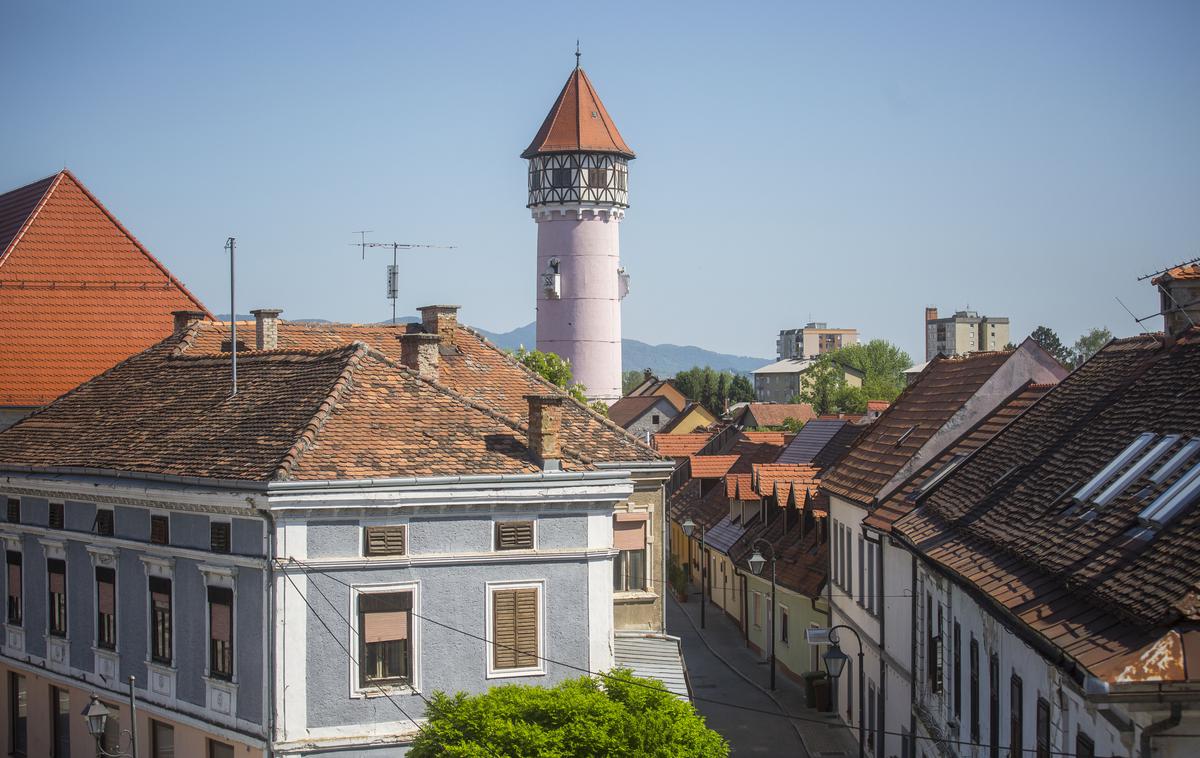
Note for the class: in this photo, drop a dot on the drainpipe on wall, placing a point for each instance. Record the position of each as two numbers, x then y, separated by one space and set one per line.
1149 732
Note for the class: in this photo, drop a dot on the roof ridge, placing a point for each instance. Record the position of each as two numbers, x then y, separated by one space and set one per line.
316 423
41 203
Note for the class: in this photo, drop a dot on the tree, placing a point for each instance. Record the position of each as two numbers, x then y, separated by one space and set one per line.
631 379
614 715
715 390
822 384
552 368
1049 341
882 364
1088 344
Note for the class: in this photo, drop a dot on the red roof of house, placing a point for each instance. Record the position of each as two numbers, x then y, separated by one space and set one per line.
78 292
712 466
775 414
679 445
877 405
1186 272
578 122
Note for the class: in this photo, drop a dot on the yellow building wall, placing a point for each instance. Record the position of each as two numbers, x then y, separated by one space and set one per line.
696 418
795 656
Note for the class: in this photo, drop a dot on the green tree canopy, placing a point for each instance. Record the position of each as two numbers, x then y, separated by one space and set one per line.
552 368
631 379
1049 341
1088 344
715 390
616 715
883 365
822 385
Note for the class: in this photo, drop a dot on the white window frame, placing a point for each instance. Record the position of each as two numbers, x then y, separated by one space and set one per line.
224 577
489 647
784 611
414 639
104 557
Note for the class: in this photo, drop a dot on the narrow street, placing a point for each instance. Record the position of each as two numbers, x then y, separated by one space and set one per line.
749 732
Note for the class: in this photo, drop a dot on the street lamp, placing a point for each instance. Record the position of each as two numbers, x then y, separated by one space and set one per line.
757 562
688 527
835 662
96 715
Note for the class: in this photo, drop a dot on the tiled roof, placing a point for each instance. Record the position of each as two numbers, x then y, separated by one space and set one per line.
723 534
629 409
345 413
836 449
578 122
810 440
78 292
902 502
679 445
901 431
1120 601
711 466
474 368
775 414
1187 271
801 549
877 405
790 475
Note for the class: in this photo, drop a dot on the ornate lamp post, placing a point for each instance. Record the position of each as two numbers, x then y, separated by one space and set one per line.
688 527
757 562
97 718
835 661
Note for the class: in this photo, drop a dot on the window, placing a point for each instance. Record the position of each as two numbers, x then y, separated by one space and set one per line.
385 657
60 723
783 624
13 560
629 565
994 705
598 178
56 519
103 524
1084 747
758 610
219 750
1016 717
218 536
56 571
850 691
106 608
18 741
110 741
974 663
220 632
872 591
160 620
160 534
514 535
162 740
654 419
535 178
515 628
14 510
861 569
870 722
384 540
930 655
560 178
1043 728
957 677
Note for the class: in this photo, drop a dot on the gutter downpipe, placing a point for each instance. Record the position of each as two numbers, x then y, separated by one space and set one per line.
1150 730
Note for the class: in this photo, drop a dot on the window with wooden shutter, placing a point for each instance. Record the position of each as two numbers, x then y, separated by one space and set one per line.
384 540
15 604
384 630
514 535
160 530
14 510
515 628
160 620
220 632
57 518
218 536
1043 728
56 571
106 608
103 524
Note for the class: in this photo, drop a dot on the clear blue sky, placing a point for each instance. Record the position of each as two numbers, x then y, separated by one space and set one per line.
851 163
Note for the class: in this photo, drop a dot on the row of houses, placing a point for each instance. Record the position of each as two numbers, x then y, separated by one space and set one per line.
1011 549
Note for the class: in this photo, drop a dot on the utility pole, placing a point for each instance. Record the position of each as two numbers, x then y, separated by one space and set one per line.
393 272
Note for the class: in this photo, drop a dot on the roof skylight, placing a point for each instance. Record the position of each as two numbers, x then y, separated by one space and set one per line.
941 474
1170 504
1116 464
900 440
1136 470
1172 465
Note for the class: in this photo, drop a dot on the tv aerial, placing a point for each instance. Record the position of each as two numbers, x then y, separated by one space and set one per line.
393 270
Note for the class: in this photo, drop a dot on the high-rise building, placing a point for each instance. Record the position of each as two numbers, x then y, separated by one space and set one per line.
813 339
578 193
964 332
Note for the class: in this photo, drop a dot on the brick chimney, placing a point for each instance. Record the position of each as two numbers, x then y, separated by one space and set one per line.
184 319
266 328
1179 291
419 352
441 320
545 422
930 314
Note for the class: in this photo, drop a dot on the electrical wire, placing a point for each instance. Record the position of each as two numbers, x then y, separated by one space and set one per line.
946 741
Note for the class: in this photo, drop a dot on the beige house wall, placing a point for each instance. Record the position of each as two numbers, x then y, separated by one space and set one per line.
795 656
643 611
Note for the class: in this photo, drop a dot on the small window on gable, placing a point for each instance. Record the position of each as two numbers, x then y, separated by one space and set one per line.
104 522
384 540
160 530
218 534
514 535
655 419
57 518
14 510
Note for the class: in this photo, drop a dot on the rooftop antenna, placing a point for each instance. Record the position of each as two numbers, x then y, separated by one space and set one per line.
393 271
1168 268
230 245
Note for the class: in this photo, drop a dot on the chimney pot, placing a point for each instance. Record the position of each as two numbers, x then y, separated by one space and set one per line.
419 352
441 320
184 319
931 314
545 423
266 328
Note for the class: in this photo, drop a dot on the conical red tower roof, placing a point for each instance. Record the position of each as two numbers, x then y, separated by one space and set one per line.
578 122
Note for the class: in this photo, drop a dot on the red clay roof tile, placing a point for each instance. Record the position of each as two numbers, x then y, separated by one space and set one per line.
578 122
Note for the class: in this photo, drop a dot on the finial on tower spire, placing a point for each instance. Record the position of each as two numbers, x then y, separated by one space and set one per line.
576 53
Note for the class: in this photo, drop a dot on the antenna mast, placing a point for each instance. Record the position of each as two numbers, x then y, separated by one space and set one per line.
393 271
230 245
